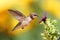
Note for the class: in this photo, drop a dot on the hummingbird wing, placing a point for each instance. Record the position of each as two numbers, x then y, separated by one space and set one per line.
18 15
18 25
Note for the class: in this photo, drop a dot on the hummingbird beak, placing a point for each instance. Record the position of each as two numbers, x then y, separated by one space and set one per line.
38 16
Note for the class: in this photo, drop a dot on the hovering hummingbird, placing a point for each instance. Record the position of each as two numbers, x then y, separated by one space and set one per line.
44 18
23 20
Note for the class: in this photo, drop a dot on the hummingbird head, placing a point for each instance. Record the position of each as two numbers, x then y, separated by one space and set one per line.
33 15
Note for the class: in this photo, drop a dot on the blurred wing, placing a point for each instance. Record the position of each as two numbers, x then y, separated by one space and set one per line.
18 15
16 27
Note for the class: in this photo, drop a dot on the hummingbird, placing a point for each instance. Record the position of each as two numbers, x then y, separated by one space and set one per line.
23 20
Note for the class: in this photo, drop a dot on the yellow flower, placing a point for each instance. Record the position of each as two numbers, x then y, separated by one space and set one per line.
6 4
52 6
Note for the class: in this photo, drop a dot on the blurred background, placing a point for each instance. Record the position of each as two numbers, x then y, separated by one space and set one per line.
34 29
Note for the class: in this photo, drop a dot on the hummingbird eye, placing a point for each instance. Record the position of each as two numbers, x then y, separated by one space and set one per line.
35 15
